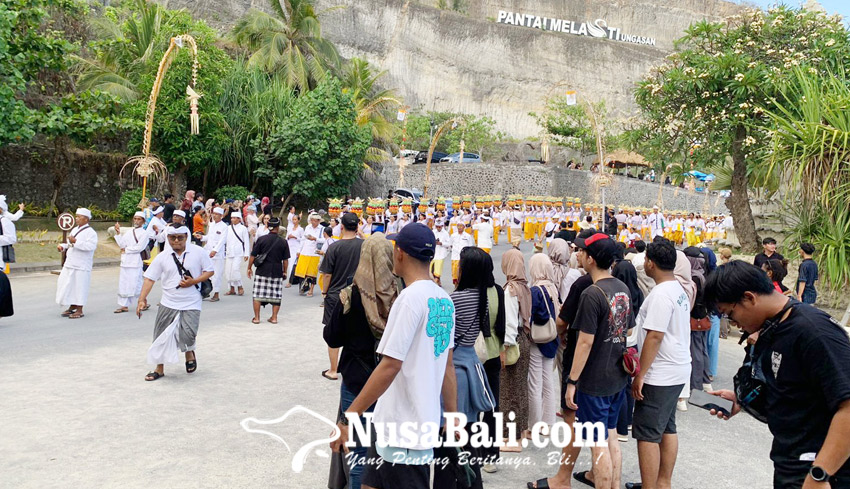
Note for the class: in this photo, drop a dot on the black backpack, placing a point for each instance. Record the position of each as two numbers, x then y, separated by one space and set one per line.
700 310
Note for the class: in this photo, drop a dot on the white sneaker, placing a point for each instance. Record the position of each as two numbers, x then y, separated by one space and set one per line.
623 438
707 388
682 405
490 468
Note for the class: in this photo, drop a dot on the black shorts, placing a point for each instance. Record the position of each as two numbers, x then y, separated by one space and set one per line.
567 364
655 416
388 475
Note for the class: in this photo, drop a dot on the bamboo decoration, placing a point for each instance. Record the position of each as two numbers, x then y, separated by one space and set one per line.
148 165
449 124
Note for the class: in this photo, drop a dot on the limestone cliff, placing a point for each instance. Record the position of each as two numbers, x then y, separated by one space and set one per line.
475 63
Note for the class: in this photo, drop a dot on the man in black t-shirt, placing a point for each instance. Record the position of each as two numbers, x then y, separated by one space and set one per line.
808 275
273 254
338 268
566 232
168 207
802 358
769 253
597 379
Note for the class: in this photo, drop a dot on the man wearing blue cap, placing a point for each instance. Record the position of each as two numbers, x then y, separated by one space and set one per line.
415 371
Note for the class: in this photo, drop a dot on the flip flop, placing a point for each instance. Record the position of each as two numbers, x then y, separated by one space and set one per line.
192 365
255 321
76 316
68 312
275 322
230 293
541 484
325 375
215 300
153 376
582 477
119 311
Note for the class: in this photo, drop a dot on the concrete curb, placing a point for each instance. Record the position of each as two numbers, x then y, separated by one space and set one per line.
20 268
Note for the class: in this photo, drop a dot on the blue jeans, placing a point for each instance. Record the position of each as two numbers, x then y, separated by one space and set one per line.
713 345
346 397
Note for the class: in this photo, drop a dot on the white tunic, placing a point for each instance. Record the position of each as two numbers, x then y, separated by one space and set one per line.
459 242
309 246
132 243
237 242
294 243
215 239
485 235
72 288
445 244
8 236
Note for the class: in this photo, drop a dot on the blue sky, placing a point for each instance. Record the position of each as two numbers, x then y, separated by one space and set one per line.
832 6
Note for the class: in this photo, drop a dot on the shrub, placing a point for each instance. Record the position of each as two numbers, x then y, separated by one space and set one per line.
128 204
235 192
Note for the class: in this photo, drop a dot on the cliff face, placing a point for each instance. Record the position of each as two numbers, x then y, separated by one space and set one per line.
476 63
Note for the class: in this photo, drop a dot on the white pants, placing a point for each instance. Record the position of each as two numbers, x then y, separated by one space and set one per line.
218 266
129 285
542 396
233 266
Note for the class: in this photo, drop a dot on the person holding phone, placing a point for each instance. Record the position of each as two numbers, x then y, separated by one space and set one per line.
801 366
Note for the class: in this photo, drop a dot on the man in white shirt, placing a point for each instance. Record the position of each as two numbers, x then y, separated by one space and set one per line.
515 224
214 242
156 227
656 223
460 240
484 230
72 288
308 260
132 243
294 237
443 241
181 271
415 372
237 248
664 342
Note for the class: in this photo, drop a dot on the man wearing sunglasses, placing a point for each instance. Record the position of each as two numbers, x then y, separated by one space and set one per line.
802 360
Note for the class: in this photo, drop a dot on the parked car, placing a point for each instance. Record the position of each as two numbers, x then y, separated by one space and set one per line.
423 155
467 158
408 153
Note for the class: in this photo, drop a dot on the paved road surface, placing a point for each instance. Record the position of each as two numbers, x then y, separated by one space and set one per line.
77 412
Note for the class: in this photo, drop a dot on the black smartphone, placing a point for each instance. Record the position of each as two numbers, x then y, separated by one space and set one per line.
708 402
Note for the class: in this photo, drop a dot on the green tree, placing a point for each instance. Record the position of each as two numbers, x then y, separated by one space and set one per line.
573 125
288 44
317 152
715 88
28 48
478 133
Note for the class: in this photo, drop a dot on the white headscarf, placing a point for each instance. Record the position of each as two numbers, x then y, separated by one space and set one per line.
3 204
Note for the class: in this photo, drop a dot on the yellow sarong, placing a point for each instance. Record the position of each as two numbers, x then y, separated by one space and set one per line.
308 266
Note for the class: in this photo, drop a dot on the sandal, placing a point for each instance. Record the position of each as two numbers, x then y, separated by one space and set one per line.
120 310
325 375
255 321
191 365
153 376
76 315
215 299
68 312
230 293
275 322
582 477
540 484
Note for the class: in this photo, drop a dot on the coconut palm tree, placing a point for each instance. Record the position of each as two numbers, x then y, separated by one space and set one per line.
373 105
288 44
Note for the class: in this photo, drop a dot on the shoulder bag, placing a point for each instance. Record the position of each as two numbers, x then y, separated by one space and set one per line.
544 333
205 287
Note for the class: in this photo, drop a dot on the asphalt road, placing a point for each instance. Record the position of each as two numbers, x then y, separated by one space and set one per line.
77 412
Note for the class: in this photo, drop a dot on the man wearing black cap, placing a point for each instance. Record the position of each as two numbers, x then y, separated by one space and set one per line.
415 371
339 265
596 383
271 257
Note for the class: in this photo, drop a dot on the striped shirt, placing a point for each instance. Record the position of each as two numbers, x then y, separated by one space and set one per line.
467 323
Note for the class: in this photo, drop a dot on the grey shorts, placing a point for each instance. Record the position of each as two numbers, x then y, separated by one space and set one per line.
655 416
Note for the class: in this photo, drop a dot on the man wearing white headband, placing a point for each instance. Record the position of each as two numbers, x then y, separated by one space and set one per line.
178 218
156 227
181 273
485 232
72 289
237 248
443 242
8 237
133 244
308 261
5 208
214 244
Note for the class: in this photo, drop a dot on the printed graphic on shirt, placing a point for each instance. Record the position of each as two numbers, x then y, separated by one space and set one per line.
618 321
440 323
775 362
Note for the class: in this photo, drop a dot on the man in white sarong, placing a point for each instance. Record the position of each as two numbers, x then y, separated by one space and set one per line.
237 248
181 271
214 244
656 223
72 289
294 236
132 243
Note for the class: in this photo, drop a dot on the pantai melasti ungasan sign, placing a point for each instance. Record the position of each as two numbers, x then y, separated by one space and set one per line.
598 29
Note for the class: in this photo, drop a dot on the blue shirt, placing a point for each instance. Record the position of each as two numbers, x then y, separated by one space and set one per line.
542 308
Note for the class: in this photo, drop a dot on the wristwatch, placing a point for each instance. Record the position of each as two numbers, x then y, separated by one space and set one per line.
571 381
818 474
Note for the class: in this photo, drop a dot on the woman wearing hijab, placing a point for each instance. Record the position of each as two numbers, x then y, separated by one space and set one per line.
356 324
513 387
563 273
542 396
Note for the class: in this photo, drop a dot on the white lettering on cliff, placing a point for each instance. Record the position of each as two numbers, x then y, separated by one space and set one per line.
598 29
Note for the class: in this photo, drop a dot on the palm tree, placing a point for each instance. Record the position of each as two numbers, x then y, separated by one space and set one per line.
373 106
288 44
117 63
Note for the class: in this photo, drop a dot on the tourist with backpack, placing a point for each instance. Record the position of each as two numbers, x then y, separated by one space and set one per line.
700 323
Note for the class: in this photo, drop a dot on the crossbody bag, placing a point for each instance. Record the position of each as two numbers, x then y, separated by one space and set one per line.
205 287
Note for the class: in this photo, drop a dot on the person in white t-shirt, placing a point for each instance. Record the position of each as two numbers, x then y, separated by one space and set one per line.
181 297
485 233
415 372
664 338
294 237
460 240
443 241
